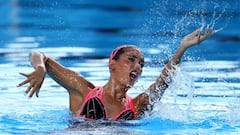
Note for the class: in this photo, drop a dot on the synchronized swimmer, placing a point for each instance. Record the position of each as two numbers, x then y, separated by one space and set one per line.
109 101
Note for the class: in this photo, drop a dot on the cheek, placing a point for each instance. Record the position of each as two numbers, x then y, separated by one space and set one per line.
124 66
122 70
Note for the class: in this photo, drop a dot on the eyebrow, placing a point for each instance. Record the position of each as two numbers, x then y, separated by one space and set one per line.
132 55
135 56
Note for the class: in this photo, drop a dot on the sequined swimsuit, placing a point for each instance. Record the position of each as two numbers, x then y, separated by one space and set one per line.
94 107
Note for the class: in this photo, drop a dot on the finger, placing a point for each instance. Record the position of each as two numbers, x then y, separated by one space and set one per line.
208 26
202 37
201 28
207 34
197 31
199 37
28 89
24 82
215 31
37 93
26 75
32 92
212 26
212 31
37 90
207 30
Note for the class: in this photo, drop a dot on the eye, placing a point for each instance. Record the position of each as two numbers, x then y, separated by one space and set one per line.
141 63
131 59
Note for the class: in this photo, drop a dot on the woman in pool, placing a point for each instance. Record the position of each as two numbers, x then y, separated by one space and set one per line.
109 101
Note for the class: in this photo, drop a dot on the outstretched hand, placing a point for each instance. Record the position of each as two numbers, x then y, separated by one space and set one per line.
196 37
35 80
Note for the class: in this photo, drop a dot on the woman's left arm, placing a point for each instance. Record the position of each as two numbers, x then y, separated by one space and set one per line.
159 86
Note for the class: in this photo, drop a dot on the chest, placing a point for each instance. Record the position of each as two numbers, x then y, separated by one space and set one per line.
112 107
95 109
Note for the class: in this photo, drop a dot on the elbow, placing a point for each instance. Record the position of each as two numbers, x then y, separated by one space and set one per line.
159 86
157 90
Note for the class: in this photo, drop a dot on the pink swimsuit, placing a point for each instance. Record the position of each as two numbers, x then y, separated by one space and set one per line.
94 107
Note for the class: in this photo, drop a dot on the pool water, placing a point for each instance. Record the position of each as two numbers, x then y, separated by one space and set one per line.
204 97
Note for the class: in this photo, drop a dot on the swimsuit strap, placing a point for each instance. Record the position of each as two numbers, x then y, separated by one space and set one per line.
90 94
129 106
99 95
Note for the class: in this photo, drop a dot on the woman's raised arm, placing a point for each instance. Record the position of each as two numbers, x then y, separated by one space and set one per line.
159 86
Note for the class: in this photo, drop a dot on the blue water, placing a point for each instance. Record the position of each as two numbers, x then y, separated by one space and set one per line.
204 97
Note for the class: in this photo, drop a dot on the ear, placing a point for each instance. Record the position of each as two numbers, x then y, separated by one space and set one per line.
111 65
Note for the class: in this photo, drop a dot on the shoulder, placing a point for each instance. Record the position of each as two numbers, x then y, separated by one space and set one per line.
142 98
141 103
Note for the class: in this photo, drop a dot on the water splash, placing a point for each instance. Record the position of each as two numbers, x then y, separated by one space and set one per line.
184 18
216 17
168 32
234 112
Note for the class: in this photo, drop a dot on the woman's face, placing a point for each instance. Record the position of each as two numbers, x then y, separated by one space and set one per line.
128 67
